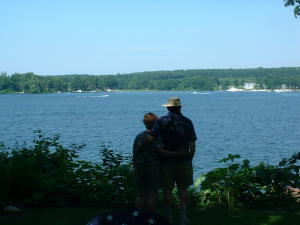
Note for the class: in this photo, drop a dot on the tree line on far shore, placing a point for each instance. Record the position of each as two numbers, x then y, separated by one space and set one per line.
198 79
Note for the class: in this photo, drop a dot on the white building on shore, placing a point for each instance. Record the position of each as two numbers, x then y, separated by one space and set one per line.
249 86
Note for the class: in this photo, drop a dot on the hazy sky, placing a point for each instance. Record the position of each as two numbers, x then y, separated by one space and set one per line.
122 36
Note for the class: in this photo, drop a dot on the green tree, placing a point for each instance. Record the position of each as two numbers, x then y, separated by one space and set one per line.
4 82
295 4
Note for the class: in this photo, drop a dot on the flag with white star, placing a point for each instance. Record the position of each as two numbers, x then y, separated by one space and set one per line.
129 217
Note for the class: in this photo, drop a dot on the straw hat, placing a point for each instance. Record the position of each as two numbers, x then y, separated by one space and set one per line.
174 101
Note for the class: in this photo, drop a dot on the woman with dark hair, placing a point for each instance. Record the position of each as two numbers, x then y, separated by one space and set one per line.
147 166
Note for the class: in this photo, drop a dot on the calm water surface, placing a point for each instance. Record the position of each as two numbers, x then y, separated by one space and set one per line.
258 126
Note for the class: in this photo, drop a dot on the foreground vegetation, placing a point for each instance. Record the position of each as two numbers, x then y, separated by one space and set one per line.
49 174
203 80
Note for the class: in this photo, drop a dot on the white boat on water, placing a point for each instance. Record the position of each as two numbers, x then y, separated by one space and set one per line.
200 93
233 89
282 90
260 90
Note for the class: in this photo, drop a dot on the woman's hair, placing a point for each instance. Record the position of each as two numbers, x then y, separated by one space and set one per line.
149 119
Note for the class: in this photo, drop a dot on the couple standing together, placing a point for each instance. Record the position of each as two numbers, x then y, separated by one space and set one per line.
162 157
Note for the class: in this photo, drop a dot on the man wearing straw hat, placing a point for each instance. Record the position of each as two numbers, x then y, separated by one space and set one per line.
178 135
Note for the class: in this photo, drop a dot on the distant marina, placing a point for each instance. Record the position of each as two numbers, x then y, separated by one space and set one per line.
252 87
248 87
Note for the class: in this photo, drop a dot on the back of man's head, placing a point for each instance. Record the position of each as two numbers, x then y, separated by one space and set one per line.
174 109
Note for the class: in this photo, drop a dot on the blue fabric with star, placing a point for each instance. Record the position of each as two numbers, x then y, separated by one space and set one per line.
129 217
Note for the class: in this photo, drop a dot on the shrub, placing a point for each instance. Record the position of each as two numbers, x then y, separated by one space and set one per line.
241 186
48 173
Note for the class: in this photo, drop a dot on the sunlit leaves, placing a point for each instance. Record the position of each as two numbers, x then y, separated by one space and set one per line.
295 4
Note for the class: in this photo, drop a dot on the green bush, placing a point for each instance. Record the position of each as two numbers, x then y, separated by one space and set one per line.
241 186
48 173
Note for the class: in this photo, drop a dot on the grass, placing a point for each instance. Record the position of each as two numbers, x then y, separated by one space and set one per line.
244 218
81 216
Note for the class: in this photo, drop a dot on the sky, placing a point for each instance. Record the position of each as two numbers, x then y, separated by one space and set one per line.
124 36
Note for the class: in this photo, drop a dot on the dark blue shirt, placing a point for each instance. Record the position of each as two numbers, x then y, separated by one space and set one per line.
148 156
176 132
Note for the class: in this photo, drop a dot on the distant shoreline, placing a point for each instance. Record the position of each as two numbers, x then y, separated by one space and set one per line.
280 79
193 91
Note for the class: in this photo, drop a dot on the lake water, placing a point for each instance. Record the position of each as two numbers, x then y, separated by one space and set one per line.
258 126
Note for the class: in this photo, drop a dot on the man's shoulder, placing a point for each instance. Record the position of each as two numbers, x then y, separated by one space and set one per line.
167 116
186 119
170 116
174 117
163 119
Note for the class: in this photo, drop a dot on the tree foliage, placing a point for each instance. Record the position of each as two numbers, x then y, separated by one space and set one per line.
49 173
295 4
240 185
203 80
